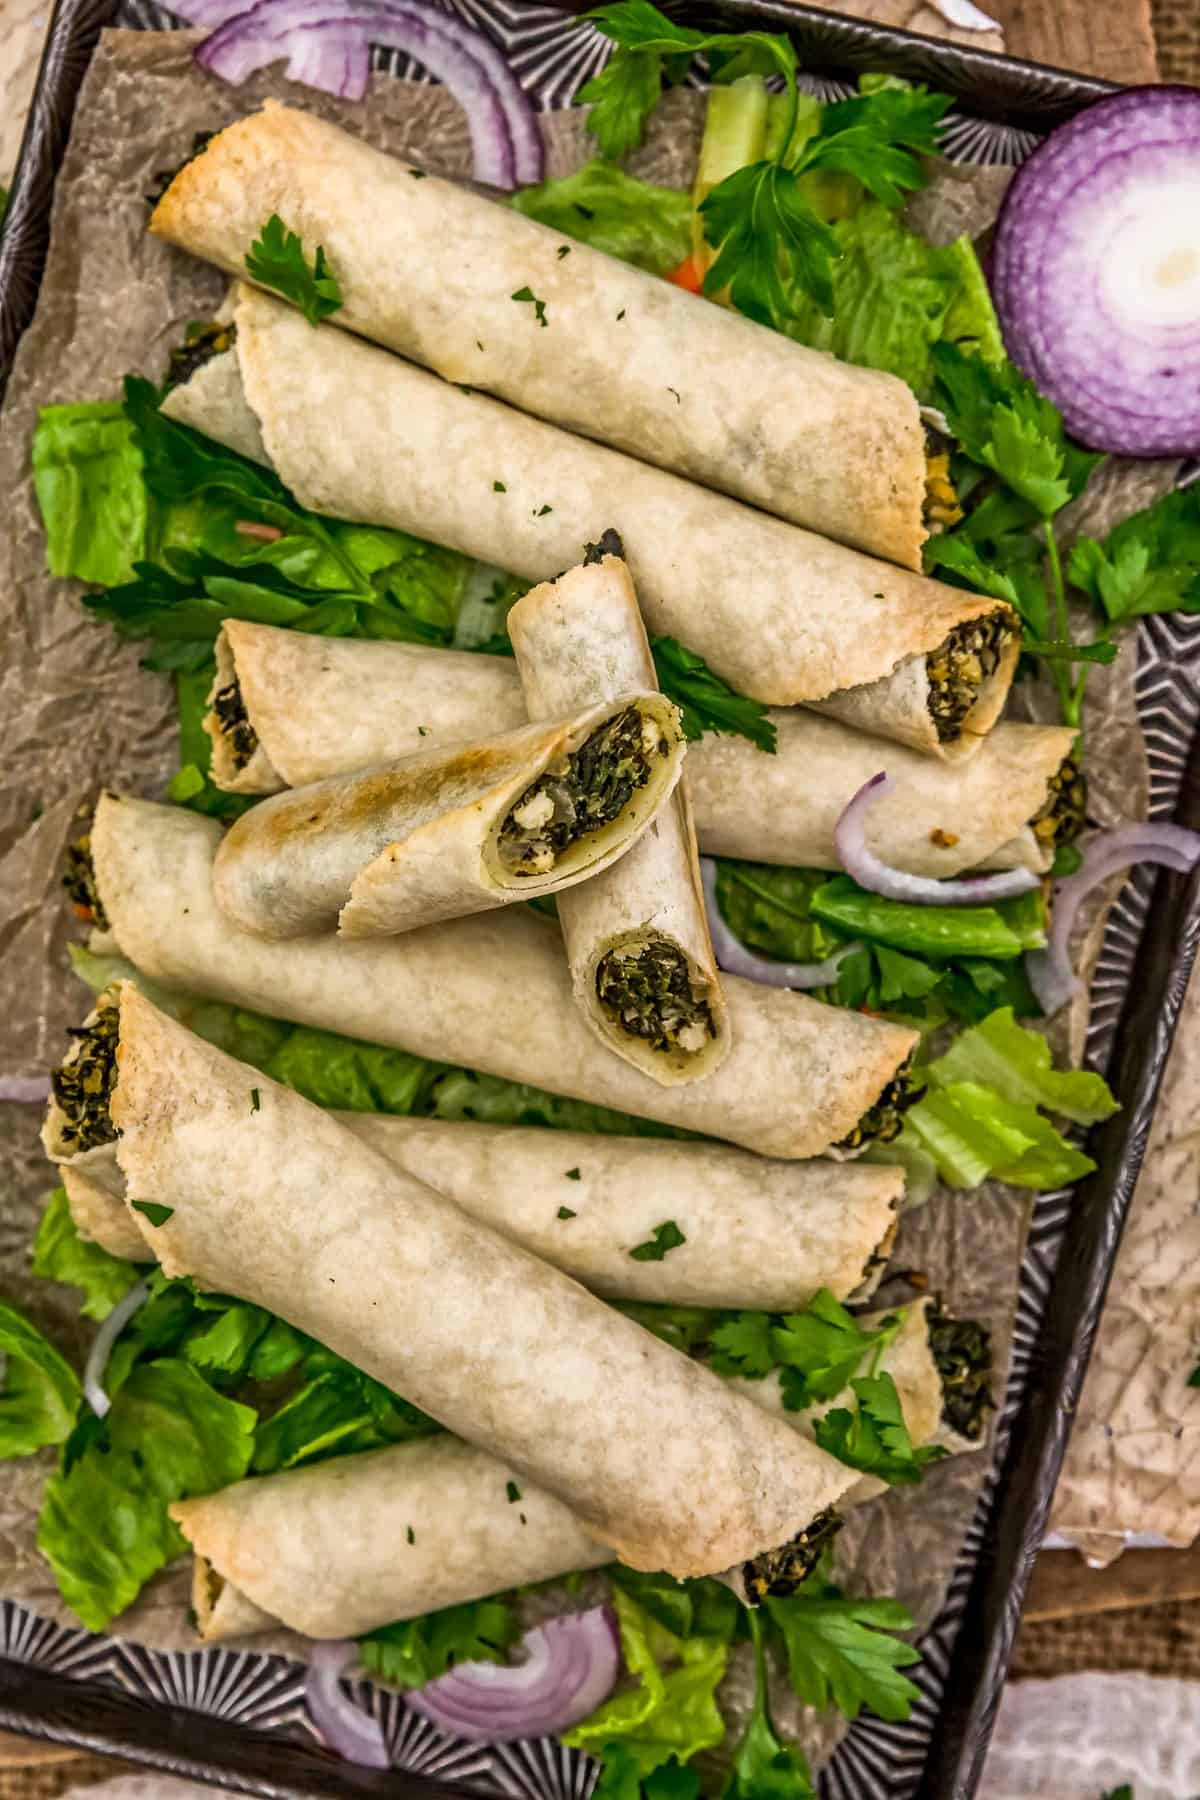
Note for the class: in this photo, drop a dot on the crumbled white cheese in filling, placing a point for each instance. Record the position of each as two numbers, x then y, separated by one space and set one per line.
535 812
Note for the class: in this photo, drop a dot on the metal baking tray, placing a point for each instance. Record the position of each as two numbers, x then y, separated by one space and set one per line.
235 1717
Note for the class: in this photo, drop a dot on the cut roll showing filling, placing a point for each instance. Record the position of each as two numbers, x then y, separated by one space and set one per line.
784 616
454 829
755 1233
263 1546
491 993
642 965
1008 806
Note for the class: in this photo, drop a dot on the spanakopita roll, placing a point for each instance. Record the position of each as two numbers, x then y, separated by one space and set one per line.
754 1232
454 829
268 1198
783 615
566 332
642 964
491 992
325 1551
1008 806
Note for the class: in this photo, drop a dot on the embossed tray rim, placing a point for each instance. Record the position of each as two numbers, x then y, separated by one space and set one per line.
940 1755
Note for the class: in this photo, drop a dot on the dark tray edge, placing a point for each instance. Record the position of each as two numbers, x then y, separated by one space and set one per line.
44 1705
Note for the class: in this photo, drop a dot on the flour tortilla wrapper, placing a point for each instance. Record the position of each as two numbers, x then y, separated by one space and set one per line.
364 702
760 1234
325 1549
578 640
492 992
783 615
623 356
419 841
277 1203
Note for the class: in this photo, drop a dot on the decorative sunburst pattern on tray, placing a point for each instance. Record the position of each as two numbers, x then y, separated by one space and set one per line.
553 55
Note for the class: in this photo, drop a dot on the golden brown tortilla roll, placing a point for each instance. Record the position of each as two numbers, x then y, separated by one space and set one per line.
275 1202
492 992
758 1233
785 616
936 819
324 1550
610 352
454 829
642 964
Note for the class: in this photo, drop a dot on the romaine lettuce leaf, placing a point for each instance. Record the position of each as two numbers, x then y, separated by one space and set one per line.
1016 1063
104 1527
602 206
60 1254
672 1711
894 297
39 1390
87 471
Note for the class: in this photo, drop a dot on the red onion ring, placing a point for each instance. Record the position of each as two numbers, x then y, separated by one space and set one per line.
25 1090
102 1343
1051 976
733 956
343 1726
327 46
878 877
570 1666
1096 271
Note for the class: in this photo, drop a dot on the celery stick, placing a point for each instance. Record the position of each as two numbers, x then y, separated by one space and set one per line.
734 133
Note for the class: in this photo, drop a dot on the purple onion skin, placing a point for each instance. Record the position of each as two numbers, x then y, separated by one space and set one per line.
329 47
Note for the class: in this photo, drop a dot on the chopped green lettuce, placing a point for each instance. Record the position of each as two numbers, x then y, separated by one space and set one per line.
896 296
87 471
104 1528
602 206
60 1254
39 1390
672 1710
1015 1062
979 1117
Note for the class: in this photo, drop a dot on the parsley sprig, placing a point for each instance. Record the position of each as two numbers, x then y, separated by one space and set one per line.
276 260
1015 442
770 241
706 702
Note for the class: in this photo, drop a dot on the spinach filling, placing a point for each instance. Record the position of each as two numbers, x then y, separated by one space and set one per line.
580 793
203 340
1064 814
79 879
780 1572
83 1085
960 665
234 721
962 1351
162 178
649 993
885 1120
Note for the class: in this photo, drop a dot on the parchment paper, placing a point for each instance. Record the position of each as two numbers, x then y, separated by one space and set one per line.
78 710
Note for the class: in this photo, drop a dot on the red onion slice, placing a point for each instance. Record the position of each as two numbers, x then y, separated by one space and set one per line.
343 1726
878 877
102 1343
25 1090
1096 271
733 956
1051 976
327 46
570 1665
